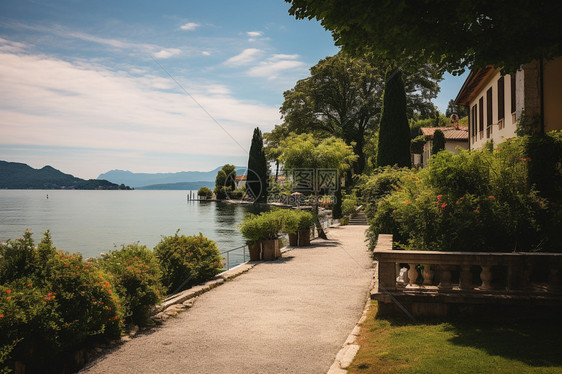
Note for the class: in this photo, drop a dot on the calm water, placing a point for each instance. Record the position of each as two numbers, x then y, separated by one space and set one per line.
91 222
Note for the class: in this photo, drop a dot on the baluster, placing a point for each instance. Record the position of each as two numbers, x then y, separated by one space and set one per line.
486 277
445 277
427 274
465 282
412 275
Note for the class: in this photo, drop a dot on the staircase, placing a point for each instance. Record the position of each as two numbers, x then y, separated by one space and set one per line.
358 219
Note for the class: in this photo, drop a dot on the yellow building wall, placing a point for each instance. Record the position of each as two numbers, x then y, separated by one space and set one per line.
553 95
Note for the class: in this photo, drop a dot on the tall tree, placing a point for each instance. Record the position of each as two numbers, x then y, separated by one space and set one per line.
438 143
306 151
230 171
454 108
394 133
454 34
258 170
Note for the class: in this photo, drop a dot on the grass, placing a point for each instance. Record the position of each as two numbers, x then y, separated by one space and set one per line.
394 345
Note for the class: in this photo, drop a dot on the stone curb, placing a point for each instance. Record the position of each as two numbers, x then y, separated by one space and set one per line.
347 353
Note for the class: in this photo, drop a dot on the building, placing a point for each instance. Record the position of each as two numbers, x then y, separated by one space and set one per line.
495 103
455 137
241 181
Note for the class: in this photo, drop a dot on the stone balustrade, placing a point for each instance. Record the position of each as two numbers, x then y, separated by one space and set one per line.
465 277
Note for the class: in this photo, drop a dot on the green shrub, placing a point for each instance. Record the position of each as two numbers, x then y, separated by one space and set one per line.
264 226
473 201
348 205
57 304
187 260
305 220
294 220
136 273
383 182
205 192
344 221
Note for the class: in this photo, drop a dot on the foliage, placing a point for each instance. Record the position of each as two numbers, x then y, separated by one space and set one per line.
452 34
394 133
263 226
453 108
258 170
438 143
473 201
57 304
438 120
136 276
187 260
205 192
230 172
295 219
349 205
220 183
416 144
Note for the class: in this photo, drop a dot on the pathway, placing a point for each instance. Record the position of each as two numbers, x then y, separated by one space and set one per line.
286 316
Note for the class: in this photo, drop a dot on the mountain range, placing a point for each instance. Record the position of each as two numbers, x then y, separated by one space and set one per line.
15 175
166 181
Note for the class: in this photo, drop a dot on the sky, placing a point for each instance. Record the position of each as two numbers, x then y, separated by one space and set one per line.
149 86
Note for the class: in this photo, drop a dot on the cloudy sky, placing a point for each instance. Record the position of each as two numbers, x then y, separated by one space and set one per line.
149 86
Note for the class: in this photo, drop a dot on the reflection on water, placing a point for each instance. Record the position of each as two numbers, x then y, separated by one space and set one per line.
92 222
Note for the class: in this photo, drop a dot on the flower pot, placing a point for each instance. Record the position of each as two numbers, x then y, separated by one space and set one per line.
304 238
293 239
255 251
271 249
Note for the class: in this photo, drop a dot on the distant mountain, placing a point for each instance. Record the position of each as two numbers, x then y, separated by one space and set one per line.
179 186
15 175
147 179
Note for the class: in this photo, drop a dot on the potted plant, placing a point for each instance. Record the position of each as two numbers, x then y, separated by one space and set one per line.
305 221
291 225
262 231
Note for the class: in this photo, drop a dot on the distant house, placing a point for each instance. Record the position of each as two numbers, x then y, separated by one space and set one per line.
241 181
455 136
495 102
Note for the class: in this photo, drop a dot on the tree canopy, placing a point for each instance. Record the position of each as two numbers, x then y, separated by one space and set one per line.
438 143
454 34
258 171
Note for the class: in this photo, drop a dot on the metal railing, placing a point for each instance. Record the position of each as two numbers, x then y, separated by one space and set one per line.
227 253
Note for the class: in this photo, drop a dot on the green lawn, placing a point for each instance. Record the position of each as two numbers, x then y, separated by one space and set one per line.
462 346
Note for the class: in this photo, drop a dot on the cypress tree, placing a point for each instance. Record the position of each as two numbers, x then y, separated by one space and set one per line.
394 132
438 143
257 175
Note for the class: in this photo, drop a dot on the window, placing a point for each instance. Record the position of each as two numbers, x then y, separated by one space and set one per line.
489 112
474 120
481 117
513 93
501 101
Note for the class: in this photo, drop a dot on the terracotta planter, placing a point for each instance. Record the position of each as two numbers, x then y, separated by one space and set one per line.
293 239
304 238
271 250
255 251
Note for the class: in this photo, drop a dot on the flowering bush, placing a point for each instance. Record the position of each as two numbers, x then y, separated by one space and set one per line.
136 275
473 201
55 303
187 260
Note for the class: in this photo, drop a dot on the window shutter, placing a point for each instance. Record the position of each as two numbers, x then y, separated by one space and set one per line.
501 99
513 93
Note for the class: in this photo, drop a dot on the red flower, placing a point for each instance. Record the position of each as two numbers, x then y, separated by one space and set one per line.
1 316
476 211
443 205
439 197
8 291
116 317
490 197
29 285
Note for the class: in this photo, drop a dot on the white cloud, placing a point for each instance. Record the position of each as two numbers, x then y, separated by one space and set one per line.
48 101
190 26
206 53
274 65
254 34
245 57
167 53
11 46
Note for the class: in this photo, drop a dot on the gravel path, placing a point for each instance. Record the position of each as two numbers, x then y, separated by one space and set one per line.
286 316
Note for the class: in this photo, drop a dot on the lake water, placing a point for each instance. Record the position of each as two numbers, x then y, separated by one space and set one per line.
91 222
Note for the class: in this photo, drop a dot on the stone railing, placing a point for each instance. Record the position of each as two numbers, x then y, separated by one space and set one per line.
465 277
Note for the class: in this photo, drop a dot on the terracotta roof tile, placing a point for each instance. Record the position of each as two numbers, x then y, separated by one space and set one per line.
451 133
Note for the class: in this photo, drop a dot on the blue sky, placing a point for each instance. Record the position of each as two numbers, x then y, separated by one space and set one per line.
84 85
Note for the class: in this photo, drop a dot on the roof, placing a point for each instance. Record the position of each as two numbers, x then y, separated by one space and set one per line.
451 133
473 85
241 177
